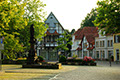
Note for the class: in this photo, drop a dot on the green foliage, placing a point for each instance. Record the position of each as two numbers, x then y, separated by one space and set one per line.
16 16
12 47
72 32
108 16
74 60
35 14
40 58
11 21
74 55
63 42
62 59
88 21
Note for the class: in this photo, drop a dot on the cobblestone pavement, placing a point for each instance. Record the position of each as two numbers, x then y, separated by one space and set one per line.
101 72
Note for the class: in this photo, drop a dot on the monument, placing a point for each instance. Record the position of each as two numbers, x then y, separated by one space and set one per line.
31 56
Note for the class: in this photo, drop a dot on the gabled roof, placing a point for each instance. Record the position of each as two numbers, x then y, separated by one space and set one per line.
55 18
89 32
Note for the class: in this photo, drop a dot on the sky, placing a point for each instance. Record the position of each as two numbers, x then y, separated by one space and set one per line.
69 13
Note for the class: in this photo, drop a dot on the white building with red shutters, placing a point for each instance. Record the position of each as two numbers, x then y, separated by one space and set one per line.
84 42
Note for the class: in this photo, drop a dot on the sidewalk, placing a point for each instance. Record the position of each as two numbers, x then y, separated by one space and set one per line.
106 63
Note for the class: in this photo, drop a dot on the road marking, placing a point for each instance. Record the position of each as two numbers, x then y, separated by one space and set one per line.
55 77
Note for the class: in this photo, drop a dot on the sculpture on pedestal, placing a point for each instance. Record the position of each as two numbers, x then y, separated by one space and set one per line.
31 56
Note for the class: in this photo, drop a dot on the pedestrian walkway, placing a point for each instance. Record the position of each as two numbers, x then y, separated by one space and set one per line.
107 64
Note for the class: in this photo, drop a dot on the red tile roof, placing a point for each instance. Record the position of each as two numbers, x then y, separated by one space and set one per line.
90 48
55 33
89 32
79 48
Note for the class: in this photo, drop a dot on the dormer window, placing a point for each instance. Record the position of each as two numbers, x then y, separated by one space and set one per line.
90 45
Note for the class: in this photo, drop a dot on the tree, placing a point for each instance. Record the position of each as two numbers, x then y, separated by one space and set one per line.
108 16
88 21
16 16
72 31
11 21
35 14
63 42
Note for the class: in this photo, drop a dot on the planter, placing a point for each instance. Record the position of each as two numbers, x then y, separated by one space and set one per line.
43 66
79 63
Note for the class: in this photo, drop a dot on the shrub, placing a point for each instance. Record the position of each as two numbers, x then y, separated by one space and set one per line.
62 59
88 60
40 58
74 60
21 61
21 58
74 56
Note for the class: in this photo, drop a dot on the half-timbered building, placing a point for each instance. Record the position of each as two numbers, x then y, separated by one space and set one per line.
47 45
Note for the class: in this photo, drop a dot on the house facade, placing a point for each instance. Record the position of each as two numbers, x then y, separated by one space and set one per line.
76 41
103 47
84 42
116 46
47 45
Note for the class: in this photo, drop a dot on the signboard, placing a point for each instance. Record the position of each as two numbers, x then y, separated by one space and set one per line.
1 44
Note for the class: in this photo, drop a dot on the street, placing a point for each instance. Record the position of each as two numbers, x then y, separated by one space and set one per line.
102 72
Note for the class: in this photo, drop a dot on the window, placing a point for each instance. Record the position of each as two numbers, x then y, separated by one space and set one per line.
90 53
78 43
79 53
51 17
111 43
103 54
110 52
102 43
97 56
85 45
117 39
84 53
97 44
117 54
108 43
54 24
90 45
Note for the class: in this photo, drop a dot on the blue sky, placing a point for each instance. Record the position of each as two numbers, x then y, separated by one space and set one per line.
70 13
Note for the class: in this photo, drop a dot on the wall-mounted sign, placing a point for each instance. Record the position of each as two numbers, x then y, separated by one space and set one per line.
1 44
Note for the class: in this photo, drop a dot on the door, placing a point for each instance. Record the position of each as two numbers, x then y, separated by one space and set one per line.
44 54
53 55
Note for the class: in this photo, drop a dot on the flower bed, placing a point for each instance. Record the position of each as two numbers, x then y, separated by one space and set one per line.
86 61
14 61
